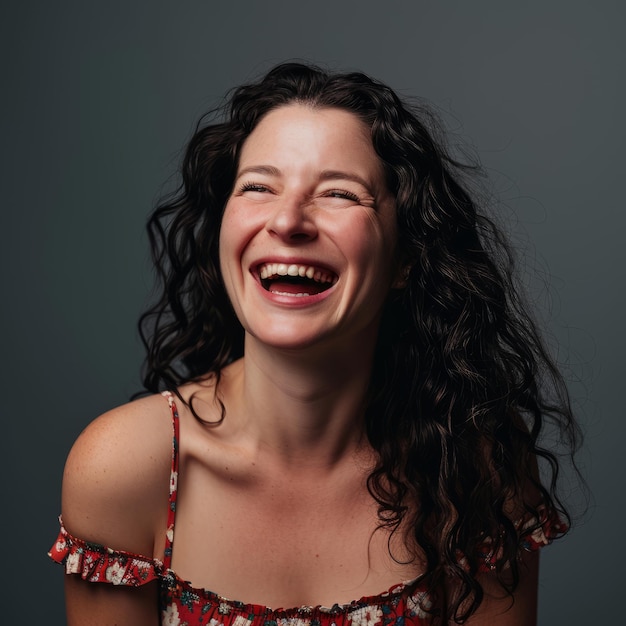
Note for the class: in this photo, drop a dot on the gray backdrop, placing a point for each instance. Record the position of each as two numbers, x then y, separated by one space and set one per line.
98 99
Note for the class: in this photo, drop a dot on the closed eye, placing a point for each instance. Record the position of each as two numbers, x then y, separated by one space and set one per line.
253 187
345 195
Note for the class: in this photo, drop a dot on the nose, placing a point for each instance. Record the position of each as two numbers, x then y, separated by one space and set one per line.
292 220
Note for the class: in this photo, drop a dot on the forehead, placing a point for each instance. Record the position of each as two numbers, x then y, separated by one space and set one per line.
303 113
303 133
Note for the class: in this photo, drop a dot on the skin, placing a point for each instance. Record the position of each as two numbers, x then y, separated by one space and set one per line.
310 190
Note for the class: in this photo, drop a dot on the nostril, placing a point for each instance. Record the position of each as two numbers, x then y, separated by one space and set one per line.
294 235
300 236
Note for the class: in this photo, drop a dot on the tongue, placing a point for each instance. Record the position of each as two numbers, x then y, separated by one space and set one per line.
293 288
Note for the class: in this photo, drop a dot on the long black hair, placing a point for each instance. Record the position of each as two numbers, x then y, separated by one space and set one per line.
462 385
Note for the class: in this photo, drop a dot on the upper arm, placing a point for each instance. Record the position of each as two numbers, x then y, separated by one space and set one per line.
115 493
498 608
99 604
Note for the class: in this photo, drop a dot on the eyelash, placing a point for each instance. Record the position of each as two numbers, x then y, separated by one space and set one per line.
253 187
332 193
346 195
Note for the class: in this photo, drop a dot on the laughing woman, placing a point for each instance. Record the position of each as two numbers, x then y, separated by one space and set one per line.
355 391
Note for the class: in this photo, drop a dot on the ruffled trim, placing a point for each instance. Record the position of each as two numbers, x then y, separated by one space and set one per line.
412 592
98 564
534 533
402 605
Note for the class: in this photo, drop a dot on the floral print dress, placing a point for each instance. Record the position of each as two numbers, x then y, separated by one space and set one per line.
181 604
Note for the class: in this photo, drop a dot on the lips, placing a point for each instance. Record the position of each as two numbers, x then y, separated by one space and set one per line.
295 279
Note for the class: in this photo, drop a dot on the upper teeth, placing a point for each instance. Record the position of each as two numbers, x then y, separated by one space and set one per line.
268 270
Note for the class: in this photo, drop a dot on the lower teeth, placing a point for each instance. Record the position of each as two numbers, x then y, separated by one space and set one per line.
285 293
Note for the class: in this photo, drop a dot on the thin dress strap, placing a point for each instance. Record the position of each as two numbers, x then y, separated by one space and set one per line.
171 514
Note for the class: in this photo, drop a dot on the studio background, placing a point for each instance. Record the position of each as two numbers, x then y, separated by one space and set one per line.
98 100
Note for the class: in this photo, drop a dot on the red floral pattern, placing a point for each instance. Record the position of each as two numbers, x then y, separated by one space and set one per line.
181 604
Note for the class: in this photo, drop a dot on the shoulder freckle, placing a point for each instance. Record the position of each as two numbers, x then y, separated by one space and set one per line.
117 474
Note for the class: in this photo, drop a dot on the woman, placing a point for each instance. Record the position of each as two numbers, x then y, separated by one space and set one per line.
355 390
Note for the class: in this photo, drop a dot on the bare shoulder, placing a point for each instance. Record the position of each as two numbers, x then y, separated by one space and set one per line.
115 484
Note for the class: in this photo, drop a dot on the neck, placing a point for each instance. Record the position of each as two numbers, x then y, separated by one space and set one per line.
305 409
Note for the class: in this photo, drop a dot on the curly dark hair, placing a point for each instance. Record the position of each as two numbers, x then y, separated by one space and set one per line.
462 385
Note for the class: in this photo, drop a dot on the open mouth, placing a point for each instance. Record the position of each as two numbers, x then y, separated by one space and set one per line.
295 280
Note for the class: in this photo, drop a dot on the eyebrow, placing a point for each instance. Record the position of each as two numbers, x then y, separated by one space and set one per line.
259 169
270 170
339 175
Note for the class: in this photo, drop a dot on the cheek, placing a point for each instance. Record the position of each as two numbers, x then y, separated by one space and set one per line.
239 227
226 228
234 235
229 248
369 239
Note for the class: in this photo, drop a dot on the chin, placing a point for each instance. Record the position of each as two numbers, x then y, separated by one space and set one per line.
281 339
